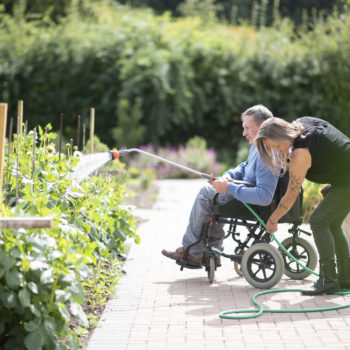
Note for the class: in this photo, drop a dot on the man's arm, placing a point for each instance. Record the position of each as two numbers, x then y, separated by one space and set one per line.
255 172
262 193
238 172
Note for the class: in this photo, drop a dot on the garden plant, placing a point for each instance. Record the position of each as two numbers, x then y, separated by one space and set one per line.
47 275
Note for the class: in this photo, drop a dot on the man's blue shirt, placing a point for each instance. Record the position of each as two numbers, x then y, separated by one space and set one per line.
256 172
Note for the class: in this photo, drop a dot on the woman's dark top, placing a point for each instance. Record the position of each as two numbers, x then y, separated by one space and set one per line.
329 149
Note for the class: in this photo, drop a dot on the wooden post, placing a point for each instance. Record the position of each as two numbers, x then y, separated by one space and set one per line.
3 119
92 126
26 222
8 158
20 117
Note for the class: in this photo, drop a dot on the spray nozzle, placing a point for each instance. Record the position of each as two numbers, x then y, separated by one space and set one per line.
116 154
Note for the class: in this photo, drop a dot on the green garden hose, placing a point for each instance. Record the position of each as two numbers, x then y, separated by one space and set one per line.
253 313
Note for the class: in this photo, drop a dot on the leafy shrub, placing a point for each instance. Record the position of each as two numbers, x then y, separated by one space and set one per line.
194 155
41 271
176 77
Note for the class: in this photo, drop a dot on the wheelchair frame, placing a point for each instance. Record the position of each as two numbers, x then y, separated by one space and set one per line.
254 257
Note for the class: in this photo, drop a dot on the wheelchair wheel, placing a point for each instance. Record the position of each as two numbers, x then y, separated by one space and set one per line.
238 268
262 265
211 269
303 251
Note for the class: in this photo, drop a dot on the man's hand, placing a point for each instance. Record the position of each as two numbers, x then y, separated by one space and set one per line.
271 226
220 185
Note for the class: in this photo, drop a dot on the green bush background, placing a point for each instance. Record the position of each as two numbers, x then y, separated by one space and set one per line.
174 78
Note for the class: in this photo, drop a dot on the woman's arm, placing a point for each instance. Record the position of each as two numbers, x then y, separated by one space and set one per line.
299 165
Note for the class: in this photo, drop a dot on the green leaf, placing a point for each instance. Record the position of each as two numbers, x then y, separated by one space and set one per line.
8 298
77 311
137 239
24 297
46 276
50 324
63 311
13 278
33 341
33 287
2 327
62 295
15 252
32 325
78 293
8 262
34 310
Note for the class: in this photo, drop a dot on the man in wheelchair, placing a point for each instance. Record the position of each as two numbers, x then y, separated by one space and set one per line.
256 185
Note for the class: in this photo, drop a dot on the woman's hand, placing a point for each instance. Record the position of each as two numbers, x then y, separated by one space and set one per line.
271 226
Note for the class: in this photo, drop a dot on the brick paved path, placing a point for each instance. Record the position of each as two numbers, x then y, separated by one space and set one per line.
159 307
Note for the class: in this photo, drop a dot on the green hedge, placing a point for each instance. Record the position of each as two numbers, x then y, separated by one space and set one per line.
176 78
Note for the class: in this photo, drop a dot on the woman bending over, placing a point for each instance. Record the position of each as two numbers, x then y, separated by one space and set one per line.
312 148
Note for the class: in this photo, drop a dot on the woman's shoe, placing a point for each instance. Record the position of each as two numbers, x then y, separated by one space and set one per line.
328 282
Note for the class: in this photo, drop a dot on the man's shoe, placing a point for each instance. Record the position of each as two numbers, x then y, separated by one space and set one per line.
180 254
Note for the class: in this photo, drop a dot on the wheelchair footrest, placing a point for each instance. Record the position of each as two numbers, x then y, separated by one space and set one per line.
187 264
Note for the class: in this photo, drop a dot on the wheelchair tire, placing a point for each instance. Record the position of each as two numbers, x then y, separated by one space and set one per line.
262 265
238 268
211 269
303 251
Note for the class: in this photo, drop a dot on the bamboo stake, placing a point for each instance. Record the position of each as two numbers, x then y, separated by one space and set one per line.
3 119
17 161
61 134
78 133
8 158
84 133
71 147
92 126
20 117
46 142
34 144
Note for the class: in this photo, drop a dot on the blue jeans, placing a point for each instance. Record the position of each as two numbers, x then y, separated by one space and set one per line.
200 214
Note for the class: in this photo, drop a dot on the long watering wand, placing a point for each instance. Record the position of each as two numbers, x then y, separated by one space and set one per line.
123 151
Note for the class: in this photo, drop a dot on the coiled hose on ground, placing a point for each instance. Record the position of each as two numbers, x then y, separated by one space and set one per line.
253 313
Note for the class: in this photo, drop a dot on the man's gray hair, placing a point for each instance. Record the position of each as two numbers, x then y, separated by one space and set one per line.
259 112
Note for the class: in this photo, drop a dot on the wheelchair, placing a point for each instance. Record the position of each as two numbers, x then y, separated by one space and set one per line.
261 264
